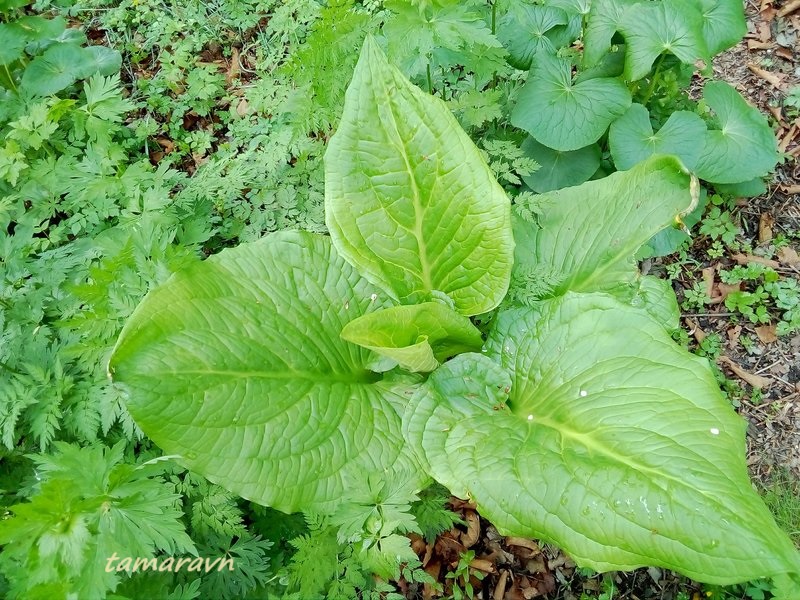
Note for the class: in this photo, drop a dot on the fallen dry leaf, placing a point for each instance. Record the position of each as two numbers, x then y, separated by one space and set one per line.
788 138
756 45
755 381
785 53
482 564
746 259
235 67
726 290
791 189
695 330
789 8
500 588
733 335
774 79
708 279
241 107
788 256
766 333
470 537
765 223
523 543
763 33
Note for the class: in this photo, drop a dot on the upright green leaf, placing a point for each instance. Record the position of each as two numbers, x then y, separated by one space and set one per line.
744 147
723 24
603 21
589 234
615 443
652 28
408 198
565 115
417 337
632 140
559 169
236 365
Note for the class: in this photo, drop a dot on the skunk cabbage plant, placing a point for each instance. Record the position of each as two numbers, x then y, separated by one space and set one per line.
284 368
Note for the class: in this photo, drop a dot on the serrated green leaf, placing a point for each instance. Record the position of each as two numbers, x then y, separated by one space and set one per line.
417 337
652 28
616 445
565 115
523 32
409 199
744 147
236 365
602 23
632 140
54 70
723 24
589 234
560 169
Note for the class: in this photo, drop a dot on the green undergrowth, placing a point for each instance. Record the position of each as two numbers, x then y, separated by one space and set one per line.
143 136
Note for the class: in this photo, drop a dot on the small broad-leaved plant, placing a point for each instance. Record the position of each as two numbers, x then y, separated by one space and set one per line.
284 368
634 61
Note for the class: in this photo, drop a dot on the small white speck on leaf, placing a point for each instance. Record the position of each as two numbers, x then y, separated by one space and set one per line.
530 417
584 393
714 431
373 297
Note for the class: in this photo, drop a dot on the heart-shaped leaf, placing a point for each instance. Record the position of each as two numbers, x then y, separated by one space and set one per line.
560 169
652 28
565 115
744 146
409 199
632 140
523 32
723 24
54 70
236 365
615 444
602 23
417 337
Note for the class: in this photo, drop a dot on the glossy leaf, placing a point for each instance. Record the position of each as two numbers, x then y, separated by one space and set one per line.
589 234
417 337
615 444
409 199
564 115
744 146
652 28
632 139
236 366
560 169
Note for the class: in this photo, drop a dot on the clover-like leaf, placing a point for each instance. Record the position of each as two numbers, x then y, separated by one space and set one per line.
417 337
409 199
523 32
723 24
559 169
565 115
652 28
632 140
236 366
589 234
602 23
615 443
744 146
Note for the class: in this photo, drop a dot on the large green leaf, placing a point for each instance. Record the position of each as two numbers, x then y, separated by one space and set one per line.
560 169
54 70
523 31
565 115
632 140
589 234
417 336
652 28
723 24
616 444
744 147
602 23
236 366
13 44
408 198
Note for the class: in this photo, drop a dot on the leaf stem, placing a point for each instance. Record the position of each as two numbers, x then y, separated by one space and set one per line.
6 77
656 76
430 82
494 17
